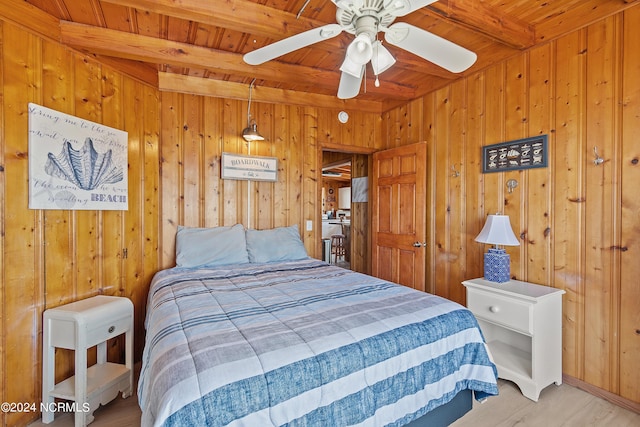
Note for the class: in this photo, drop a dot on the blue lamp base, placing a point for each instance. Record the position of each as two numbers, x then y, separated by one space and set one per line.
497 266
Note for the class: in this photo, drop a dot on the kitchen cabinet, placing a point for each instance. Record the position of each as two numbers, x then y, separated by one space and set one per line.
344 198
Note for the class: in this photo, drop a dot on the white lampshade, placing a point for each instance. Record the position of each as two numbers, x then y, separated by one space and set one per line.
497 231
360 50
350 67
382 59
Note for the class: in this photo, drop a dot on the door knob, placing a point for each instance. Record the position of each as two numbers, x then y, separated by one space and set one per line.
419 245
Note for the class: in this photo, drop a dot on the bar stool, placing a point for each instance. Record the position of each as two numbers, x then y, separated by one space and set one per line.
337 247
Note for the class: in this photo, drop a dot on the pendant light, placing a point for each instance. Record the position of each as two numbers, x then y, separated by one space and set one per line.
250 133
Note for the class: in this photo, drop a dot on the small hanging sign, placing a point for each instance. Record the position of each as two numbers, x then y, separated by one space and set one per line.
250 168
524 153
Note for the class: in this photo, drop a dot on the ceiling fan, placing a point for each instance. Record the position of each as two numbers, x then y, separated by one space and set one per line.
365 19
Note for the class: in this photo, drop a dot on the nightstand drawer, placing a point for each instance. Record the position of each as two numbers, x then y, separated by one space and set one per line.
106 330
507 312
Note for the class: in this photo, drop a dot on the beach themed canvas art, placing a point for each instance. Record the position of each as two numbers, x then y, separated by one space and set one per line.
75 163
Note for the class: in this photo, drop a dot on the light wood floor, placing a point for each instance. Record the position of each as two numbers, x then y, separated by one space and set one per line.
558 406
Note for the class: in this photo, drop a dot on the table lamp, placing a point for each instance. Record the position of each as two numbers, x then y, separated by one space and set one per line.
497 231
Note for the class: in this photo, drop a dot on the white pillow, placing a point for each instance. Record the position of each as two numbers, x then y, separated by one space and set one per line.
210 247
276 244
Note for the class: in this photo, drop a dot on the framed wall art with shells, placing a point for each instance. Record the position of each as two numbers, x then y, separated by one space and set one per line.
75 163
524 153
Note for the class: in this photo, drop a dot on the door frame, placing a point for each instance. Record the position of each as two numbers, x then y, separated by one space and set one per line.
356 229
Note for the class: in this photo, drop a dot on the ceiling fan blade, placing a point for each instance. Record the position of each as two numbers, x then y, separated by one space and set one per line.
405 7
441 52
349 85
284 46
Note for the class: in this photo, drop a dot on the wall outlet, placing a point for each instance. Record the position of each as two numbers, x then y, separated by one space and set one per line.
309 225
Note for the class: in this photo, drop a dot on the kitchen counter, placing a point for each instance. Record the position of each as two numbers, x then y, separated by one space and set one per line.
330 228
334 226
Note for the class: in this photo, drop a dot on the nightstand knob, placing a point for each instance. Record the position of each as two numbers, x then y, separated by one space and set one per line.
494 309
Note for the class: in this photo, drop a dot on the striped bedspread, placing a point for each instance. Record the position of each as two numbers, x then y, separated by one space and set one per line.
302 343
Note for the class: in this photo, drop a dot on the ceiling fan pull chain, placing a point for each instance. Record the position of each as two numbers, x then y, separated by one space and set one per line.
365 79
376 59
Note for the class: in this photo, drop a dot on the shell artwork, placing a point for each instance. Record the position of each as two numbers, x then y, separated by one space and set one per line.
86 168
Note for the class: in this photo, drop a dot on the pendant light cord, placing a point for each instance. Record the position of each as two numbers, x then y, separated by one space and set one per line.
249 153
249 106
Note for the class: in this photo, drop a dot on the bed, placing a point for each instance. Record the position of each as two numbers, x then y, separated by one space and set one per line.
247 330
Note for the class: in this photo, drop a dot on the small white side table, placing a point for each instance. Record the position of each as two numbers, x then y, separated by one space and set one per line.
79 326
522 324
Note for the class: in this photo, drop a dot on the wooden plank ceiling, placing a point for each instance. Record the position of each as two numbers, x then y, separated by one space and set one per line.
196 46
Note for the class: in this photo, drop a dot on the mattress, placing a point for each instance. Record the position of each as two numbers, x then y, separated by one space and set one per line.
302 343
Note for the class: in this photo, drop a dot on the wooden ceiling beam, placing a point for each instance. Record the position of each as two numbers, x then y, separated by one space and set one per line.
250 17
171 82
475 16
238 15
119 44
30 17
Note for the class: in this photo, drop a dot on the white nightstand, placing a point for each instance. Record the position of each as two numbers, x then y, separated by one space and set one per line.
522 324
79 326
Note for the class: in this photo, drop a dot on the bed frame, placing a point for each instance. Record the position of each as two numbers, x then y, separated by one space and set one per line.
444 415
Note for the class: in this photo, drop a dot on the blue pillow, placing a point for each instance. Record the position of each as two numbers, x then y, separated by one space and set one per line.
276 244
210 247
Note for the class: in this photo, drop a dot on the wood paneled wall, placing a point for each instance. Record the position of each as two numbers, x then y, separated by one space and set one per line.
196 130
49 258
53 257
578 222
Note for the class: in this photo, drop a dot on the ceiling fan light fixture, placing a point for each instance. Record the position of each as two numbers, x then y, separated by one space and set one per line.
352 68
382 59
360 50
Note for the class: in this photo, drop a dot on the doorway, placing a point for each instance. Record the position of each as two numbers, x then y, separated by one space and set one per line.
336 208
343 209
